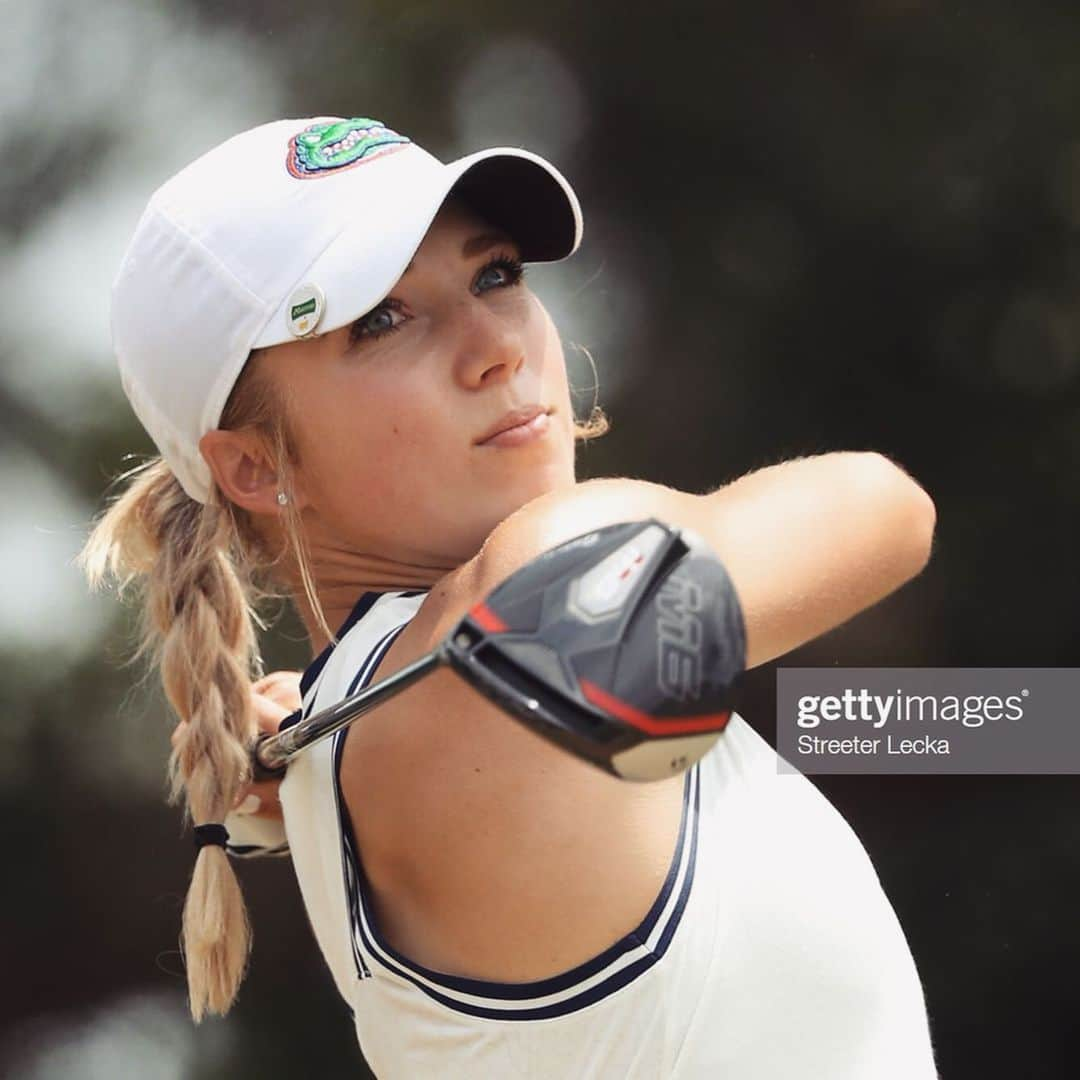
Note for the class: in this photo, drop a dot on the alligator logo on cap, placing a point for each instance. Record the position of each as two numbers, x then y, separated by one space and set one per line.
322 149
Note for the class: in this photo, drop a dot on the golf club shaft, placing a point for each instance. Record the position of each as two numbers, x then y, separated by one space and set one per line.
272 753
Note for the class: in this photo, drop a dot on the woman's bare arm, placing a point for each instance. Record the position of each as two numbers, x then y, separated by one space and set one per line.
463 807
808 543
812 542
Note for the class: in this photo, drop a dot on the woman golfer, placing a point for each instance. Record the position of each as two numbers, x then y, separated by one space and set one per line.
361 405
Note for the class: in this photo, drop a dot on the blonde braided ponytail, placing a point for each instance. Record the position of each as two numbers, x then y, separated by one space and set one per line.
196 620
201 569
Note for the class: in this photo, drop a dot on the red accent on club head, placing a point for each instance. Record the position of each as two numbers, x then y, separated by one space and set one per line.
652 725
487 618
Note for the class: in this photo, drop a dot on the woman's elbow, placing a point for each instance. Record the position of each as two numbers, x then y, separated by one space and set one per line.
906 506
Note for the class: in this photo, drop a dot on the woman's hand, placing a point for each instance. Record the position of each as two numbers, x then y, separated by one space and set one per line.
275 696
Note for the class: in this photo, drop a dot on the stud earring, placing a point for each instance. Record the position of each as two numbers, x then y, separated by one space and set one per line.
282 498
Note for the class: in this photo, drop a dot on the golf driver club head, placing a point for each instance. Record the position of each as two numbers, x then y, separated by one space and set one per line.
622 646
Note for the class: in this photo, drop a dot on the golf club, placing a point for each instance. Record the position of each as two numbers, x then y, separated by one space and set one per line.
621 645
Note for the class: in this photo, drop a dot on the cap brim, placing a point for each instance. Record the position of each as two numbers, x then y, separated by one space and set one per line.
515 190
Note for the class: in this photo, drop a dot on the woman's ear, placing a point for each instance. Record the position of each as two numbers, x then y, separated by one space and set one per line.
243 470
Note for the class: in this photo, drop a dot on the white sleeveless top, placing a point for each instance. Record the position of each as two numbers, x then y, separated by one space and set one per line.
770 953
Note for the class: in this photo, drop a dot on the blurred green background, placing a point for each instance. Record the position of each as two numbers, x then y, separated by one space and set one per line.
808 227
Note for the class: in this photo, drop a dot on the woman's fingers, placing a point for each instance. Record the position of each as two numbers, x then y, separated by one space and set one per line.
268 716
268 713
274 696
261 798
282 687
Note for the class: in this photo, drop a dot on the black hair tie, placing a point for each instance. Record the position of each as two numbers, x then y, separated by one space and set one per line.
210 834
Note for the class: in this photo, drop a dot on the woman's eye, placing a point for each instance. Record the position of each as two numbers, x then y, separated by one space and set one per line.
376 323
503 270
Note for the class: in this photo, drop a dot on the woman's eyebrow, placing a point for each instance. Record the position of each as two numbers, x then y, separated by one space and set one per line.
482 242
474 245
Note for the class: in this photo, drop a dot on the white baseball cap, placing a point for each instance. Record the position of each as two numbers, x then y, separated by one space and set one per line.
287 230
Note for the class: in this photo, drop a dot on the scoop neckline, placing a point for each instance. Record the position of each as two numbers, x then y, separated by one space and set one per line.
363 605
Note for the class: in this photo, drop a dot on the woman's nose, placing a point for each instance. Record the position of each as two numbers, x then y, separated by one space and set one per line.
491 347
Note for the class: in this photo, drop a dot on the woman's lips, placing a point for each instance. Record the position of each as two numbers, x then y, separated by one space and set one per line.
523 433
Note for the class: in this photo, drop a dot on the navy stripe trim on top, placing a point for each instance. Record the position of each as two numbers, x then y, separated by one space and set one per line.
371 662
360 609
682 867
